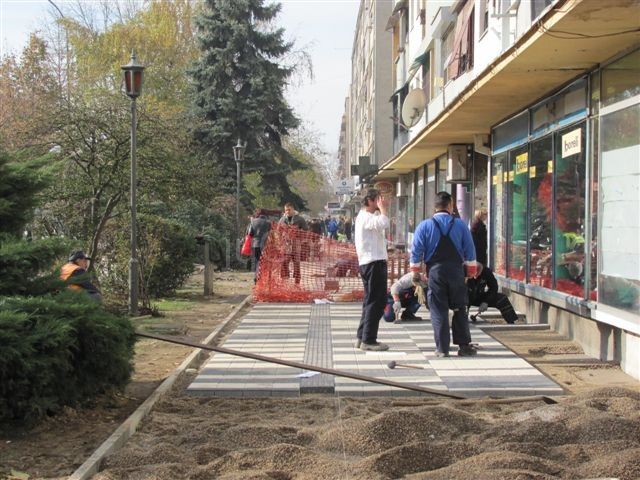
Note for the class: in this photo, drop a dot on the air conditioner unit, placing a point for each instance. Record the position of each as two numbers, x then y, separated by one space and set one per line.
459 163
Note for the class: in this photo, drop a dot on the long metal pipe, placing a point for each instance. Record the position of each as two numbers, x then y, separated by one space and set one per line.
133 261
342 373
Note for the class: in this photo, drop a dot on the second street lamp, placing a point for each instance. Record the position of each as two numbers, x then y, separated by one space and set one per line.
238 155
133 73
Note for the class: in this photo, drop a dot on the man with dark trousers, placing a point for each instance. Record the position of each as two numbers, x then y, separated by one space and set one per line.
483 293
444 243
372 261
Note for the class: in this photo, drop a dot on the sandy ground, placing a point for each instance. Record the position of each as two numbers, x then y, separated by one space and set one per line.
59 445
593 432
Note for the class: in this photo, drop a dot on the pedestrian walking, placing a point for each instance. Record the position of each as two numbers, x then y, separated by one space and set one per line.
294 243
372 260
444 243
348 229
479 235
259 229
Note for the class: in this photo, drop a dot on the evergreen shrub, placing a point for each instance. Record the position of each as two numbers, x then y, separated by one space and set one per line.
59 350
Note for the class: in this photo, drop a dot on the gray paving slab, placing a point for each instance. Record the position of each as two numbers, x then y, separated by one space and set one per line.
324 335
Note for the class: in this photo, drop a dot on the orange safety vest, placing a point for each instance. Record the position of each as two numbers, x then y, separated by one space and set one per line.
66 271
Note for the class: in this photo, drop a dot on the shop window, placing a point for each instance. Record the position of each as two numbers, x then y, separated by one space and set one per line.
540 212
441 180
620 79
619 239
430 190
410 206
566 107
592 219
570 187
498 226
511 133
517 193
420 197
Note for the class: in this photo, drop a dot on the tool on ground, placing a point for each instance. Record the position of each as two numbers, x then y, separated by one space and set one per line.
393 364
341 373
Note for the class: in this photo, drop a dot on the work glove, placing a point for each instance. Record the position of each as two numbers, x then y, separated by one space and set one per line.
483 307
397 307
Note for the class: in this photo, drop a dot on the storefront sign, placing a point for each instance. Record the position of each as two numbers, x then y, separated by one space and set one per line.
511 175
532 172
385 188
571 143
496 178
522 161
343 186
505 177
550 166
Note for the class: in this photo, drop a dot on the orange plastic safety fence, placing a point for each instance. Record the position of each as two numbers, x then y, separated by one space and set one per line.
300 266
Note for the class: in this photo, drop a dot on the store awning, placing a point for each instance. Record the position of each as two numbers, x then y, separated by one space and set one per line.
418 62
534 66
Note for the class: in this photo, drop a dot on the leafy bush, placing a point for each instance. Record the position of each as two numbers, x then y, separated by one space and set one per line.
166 253
59 350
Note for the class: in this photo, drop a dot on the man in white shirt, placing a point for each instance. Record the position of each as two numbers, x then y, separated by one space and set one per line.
372 260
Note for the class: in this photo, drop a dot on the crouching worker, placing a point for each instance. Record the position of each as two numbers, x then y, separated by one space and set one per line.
74 273
408 293
483 293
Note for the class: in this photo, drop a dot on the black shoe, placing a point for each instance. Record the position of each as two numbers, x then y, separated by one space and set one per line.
374 347
467 351
409 316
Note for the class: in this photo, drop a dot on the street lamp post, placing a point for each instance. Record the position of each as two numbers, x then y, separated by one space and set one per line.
238 155
133 73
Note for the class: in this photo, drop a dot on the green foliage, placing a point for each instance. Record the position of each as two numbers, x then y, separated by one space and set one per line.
167 251
59 350
31 268
19 183
239 83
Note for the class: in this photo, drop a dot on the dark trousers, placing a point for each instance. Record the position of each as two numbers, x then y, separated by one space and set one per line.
374 279
284 271
499 301
409 302
257 253
447 290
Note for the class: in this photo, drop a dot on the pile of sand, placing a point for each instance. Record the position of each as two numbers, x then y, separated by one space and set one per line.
591 435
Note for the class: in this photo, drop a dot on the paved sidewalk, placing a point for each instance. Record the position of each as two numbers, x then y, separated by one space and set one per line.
324 335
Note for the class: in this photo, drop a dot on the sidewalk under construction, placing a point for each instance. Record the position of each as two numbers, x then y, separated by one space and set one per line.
324 335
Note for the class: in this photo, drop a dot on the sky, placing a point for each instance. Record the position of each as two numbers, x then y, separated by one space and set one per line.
324 28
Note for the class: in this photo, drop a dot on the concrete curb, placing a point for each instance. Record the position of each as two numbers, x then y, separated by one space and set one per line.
118 438
505 328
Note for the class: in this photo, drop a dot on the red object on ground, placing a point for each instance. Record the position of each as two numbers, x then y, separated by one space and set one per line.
300 266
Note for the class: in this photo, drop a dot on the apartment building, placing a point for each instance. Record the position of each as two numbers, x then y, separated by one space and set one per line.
530 109
368 120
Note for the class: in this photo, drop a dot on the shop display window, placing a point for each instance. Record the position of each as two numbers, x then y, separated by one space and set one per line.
619 239
540 212
569 232
516 186
420 197
430 190
498 226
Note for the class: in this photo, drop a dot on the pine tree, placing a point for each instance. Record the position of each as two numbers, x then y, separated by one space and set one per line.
239 83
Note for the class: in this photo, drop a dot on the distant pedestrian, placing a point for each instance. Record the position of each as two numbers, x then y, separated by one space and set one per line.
348 229
444 243
479 234
372 259
259 228
294 245
332 228
75 274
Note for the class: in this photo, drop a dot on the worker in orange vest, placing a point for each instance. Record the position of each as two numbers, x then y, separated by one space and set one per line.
74 273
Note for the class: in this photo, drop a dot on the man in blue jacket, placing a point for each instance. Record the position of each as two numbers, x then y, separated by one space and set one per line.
444 243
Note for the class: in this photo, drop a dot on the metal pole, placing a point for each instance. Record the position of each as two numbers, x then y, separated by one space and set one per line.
133 262
238 227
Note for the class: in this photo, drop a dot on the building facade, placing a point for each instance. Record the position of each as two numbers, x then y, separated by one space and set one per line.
531 110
